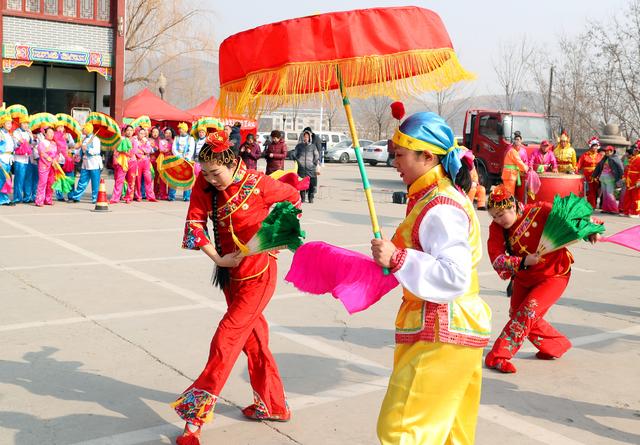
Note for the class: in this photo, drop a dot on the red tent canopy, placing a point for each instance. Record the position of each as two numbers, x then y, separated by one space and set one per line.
147 103
206 108
210 108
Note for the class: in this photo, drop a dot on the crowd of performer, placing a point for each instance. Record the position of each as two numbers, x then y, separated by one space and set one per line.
29 159
611 183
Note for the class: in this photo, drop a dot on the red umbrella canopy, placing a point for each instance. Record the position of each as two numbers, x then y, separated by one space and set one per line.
378 51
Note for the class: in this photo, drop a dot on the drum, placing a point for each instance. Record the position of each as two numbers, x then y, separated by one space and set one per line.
552 184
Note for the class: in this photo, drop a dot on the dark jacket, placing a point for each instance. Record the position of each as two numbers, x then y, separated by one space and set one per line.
236 138
250 153
614 164
275 155
308 158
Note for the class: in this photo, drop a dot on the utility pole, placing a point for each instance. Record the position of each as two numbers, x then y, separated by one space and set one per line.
550 90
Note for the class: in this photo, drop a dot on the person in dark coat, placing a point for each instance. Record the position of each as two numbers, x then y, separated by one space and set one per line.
250 152
307 156
235 137
275 153
609 171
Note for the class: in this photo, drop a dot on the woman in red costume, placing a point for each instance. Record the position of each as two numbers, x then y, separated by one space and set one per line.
237 200
538 281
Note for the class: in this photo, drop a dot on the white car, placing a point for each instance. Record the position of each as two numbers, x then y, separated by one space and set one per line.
343 151
377 153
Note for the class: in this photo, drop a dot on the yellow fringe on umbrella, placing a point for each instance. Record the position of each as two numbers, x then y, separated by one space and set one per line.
394 75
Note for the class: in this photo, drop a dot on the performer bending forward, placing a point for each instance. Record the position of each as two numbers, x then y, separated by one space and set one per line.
538 281
237 200
442 325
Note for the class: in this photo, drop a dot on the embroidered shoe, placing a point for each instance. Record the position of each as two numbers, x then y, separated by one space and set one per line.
252 412
500 364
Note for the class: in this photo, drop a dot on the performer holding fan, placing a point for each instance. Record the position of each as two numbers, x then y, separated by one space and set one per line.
529 246
238 201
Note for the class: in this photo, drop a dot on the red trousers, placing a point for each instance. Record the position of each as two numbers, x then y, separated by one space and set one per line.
593 189
630 204
244 328
529 304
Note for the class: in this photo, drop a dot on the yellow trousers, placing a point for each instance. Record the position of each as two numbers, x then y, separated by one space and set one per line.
433 395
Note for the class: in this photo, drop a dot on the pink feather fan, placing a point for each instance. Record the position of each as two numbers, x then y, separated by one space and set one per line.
351 277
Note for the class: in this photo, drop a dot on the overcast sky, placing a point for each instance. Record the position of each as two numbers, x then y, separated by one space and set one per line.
476 27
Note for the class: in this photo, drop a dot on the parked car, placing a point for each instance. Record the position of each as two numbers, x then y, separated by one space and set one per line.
343 151
332 138
262 136
377 153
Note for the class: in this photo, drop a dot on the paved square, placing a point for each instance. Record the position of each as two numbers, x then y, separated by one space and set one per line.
104 320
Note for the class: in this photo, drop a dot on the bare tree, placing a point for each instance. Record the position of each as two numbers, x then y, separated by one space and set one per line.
450 102
331 108
620 43
511 69
158 33
377 114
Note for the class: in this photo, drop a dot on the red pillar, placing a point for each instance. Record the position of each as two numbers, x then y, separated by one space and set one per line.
117 73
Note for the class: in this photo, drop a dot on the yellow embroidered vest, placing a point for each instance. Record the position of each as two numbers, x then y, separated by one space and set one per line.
465 320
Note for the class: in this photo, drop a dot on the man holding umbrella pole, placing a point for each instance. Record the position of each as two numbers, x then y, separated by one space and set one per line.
89 152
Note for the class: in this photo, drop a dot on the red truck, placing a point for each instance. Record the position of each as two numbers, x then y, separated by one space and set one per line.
488 133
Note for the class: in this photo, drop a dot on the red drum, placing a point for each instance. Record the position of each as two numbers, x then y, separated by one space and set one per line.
552 184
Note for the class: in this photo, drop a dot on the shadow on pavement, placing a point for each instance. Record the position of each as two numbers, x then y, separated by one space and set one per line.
43 375
572 413
363 218
600 307
627 277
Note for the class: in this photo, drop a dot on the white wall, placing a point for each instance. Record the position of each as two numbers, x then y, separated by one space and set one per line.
103 88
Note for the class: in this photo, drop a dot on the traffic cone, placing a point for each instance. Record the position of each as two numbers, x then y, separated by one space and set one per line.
102 205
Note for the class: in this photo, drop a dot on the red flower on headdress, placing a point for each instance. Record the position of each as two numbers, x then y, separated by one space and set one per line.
218 141
594 141
500 193
397 110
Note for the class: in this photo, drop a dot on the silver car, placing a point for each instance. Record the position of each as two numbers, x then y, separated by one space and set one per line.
343 151
377 153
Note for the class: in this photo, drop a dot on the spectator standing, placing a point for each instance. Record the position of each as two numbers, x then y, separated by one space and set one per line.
250 152
275 153
307 156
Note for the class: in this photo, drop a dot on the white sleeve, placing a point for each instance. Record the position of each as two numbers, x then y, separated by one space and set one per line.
95 147
443 271
174 147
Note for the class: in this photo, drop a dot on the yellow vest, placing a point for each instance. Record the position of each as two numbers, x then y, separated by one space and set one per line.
467 319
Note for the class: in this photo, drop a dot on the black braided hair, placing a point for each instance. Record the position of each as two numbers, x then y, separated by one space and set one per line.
221 275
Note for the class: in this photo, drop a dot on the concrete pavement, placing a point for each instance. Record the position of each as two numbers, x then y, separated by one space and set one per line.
104 319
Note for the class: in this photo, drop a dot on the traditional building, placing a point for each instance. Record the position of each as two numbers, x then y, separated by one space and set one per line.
60 55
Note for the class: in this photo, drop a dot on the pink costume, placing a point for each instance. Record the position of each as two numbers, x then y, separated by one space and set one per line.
164 149
543 162
48 151
120 168
143 150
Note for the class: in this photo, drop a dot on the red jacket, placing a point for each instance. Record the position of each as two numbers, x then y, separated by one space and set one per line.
524 237
241 207
279 152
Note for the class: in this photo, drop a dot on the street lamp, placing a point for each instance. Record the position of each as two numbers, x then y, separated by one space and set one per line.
162 85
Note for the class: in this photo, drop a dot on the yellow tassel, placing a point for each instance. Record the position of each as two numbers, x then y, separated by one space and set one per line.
394 75
243 248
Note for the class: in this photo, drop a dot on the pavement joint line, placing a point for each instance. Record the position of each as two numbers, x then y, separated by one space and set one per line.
319 346
105 232
96 263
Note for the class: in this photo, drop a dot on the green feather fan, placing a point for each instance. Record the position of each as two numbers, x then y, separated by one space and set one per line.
569 221
279 230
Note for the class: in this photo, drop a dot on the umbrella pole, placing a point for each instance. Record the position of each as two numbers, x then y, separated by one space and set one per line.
363 172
